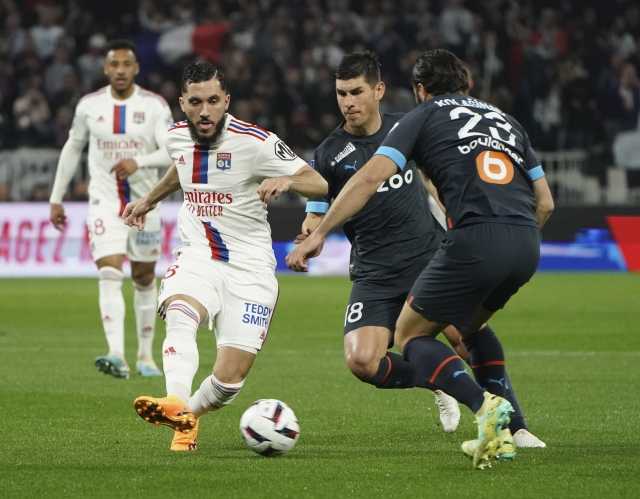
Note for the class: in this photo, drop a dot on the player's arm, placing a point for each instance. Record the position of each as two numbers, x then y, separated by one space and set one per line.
431 189
306 181
353 196
67 167
158 158
309 224
135 213
544 199
541 190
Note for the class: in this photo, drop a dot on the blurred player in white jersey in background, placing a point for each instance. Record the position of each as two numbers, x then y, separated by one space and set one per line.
224 269
125 126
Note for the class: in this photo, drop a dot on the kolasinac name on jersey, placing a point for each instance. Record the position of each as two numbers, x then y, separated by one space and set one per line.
120 129
222 216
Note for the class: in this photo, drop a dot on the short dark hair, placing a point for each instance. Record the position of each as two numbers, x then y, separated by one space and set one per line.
121 44
441 72
359 64
201 71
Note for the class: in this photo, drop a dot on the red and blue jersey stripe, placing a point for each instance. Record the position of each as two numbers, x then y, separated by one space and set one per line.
119 119
124 193
219 250
200 173
248 129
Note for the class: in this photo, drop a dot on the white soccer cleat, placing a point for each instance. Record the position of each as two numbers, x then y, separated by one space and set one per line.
526 439
449 411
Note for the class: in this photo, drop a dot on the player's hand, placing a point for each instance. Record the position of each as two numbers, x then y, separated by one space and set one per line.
58 219
311 247
135 213
273 187
302 237
125 168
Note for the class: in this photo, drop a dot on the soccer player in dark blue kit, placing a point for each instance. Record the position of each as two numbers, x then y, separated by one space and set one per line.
392 242
496 198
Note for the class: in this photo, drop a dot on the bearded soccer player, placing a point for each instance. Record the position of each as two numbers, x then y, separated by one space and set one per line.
392 242
496 198
224 269
125 126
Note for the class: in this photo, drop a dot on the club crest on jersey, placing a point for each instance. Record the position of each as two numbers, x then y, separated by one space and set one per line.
138 117
223 160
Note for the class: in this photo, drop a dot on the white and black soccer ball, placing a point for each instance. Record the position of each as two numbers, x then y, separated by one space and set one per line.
269 427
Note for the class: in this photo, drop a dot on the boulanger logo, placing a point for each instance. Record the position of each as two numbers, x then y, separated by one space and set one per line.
494 167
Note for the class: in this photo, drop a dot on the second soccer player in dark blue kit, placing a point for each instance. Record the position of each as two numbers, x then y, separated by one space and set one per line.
496 197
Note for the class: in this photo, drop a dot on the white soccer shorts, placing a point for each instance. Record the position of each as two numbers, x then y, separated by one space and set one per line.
108 235
240 303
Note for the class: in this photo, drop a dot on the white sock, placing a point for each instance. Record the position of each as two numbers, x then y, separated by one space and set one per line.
112 308
180 350
213 395
145 304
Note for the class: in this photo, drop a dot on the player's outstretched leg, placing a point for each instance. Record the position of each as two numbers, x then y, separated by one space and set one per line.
444 369
112 310
145 301
180 356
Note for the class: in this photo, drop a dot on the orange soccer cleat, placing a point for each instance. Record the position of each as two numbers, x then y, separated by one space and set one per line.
169 411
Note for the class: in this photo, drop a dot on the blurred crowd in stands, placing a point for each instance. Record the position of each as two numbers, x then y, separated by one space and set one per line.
566 69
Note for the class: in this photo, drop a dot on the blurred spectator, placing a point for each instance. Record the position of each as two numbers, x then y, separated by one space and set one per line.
80 191
12 35
623 101
48 31
5 193
456 25
91 63
40 193
32 118
57 70
62 125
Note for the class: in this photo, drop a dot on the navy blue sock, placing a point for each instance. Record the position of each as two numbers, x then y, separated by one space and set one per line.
517 418
443 369
395 372
486 358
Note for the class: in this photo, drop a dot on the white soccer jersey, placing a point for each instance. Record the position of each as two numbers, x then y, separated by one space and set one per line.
222 215
119 129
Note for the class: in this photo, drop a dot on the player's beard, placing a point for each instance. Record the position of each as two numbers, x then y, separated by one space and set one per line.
206 140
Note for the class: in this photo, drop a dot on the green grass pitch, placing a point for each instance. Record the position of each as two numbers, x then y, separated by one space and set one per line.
573 353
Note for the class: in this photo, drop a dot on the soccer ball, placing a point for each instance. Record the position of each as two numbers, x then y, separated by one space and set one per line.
269 427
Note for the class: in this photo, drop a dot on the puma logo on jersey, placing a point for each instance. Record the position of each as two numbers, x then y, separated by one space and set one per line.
351 167
181 161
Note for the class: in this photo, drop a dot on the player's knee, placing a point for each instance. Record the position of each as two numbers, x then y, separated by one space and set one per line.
143 277
362 364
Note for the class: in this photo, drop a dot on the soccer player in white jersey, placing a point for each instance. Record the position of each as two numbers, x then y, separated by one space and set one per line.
125 126
224 269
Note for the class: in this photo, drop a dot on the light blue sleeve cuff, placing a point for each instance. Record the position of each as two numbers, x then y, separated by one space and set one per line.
317 207
536 173
393 154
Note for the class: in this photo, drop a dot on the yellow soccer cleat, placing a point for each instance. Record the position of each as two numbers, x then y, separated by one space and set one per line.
491 417
169 411
506 449
184 442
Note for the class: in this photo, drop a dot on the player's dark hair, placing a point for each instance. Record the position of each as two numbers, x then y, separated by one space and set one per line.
359 64
121 44
441 72
197 72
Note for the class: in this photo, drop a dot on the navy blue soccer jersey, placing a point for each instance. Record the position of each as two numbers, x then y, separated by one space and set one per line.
479 158
394 231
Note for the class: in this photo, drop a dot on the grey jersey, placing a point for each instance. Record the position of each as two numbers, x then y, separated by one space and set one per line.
394 231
